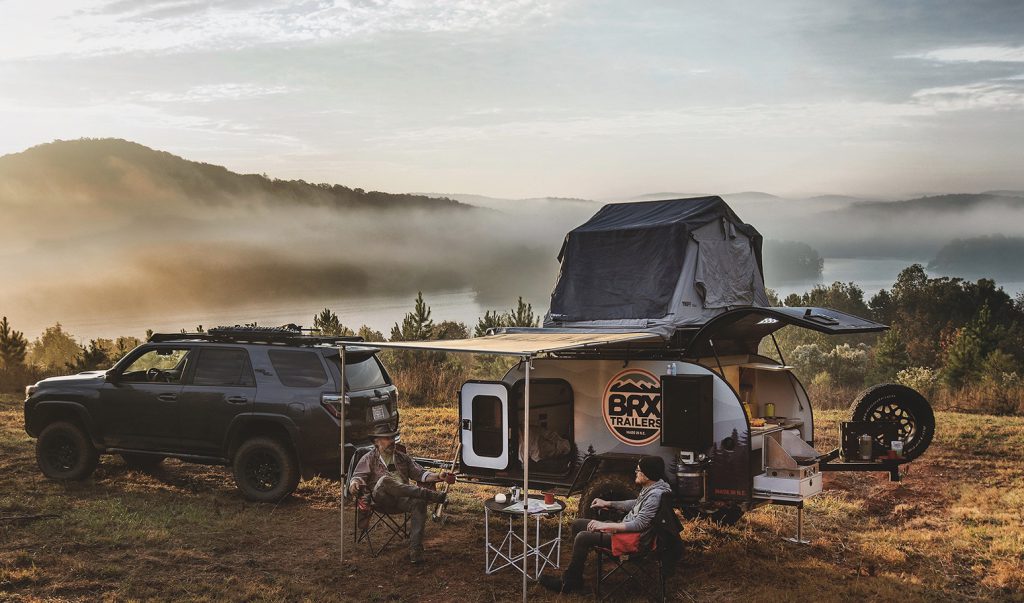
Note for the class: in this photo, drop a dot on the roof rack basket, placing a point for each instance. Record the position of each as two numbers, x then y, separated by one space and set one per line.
286 335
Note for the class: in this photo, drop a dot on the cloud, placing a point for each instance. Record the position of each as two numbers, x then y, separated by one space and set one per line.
211 93
997 94
972 54
107 28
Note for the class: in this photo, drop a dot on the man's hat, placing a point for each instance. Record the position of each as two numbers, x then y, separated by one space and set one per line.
653 467
382 431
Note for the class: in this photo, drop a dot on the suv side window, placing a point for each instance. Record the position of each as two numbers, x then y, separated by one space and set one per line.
298 369
220 366
161 365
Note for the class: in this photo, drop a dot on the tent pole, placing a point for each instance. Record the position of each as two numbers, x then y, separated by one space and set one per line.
341 462
525 447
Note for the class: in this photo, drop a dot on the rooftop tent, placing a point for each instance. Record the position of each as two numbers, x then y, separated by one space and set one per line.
657 266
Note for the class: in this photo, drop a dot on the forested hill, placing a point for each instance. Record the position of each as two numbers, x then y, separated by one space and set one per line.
115 171
959 203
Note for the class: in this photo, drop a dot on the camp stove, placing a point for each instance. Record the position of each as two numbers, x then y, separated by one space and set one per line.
801 472
784 477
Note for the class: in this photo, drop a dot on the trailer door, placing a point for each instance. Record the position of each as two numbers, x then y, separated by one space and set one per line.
484 424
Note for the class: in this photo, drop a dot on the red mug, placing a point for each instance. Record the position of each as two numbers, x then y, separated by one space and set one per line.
549 498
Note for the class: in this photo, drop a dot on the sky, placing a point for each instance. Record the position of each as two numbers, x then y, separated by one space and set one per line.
528 98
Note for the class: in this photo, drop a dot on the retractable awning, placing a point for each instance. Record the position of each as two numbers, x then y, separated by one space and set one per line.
519 344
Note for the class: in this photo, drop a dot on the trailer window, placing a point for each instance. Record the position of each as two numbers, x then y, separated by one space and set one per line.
488 426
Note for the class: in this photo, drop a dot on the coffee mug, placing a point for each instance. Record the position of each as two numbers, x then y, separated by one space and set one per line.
549 498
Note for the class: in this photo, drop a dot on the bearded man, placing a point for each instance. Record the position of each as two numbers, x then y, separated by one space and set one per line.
387 473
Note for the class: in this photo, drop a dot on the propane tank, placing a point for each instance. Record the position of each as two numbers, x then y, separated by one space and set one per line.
689 478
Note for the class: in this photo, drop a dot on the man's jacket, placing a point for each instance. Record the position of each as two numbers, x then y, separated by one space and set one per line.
371 468
642 511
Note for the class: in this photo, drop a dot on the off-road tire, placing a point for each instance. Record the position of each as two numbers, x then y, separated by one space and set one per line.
265 469
142 462
64 452
892 401
609 486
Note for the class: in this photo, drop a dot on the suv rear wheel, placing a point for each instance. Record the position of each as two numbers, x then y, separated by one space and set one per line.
265 470
64 452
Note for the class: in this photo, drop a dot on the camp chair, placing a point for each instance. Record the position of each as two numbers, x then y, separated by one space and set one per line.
645 571
382 528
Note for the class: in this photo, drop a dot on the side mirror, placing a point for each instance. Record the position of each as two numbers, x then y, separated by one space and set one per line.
110 377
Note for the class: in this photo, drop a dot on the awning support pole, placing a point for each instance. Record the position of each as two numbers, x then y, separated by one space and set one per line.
525 447
341 461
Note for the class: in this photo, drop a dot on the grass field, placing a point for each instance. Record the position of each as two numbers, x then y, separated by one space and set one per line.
952 530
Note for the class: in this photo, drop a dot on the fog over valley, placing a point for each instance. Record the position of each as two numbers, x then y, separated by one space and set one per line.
110 237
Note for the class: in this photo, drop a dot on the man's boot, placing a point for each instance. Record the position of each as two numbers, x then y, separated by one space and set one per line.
566 583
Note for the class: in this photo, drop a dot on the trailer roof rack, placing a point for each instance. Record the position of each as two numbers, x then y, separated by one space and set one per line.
286 335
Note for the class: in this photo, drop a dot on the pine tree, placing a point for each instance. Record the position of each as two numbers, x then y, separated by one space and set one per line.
890 357
13 346
417 325
328 323
522 315
965 358
94 356
490 320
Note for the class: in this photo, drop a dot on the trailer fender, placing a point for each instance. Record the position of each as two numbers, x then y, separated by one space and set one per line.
605 463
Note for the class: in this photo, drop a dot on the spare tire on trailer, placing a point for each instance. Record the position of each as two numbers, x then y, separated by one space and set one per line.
895 402
608 486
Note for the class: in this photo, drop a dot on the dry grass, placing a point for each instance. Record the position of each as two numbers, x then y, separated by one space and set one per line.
952 530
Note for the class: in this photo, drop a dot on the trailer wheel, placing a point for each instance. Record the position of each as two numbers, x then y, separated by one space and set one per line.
726 516
895 402
723 516
610 486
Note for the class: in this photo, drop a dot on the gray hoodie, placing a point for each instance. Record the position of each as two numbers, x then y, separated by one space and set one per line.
642 510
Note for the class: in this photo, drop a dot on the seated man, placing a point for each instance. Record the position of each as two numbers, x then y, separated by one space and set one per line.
388 472
589 533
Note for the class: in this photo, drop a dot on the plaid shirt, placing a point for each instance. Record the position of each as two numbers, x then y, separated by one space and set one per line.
371 468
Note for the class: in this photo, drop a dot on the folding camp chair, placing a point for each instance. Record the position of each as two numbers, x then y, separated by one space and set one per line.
646 570
382 528
643 571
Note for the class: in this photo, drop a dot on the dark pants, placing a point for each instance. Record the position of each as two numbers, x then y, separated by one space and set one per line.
583 542
392 496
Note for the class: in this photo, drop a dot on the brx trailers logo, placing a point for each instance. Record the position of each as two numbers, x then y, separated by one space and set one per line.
632 407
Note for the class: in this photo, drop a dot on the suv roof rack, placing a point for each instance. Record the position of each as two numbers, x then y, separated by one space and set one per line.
286 335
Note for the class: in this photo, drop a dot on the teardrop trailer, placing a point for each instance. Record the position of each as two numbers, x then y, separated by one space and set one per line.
653 346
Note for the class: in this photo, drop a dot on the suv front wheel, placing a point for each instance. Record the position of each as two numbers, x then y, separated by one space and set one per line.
265 470
63 451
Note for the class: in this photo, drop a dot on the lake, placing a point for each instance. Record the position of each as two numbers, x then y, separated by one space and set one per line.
382 312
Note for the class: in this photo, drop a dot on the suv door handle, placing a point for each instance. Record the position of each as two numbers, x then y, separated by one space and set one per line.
467 425
167 397
237 400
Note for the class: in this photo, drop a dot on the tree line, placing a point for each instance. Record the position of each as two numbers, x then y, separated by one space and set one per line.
958 342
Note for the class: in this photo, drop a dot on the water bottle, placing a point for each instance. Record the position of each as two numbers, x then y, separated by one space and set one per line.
671 369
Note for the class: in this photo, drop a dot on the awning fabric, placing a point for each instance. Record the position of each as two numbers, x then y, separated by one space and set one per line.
517 344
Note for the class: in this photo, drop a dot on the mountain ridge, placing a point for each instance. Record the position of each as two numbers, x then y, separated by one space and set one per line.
118 170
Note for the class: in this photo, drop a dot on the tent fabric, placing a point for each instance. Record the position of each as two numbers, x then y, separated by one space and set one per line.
657 266
517 344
